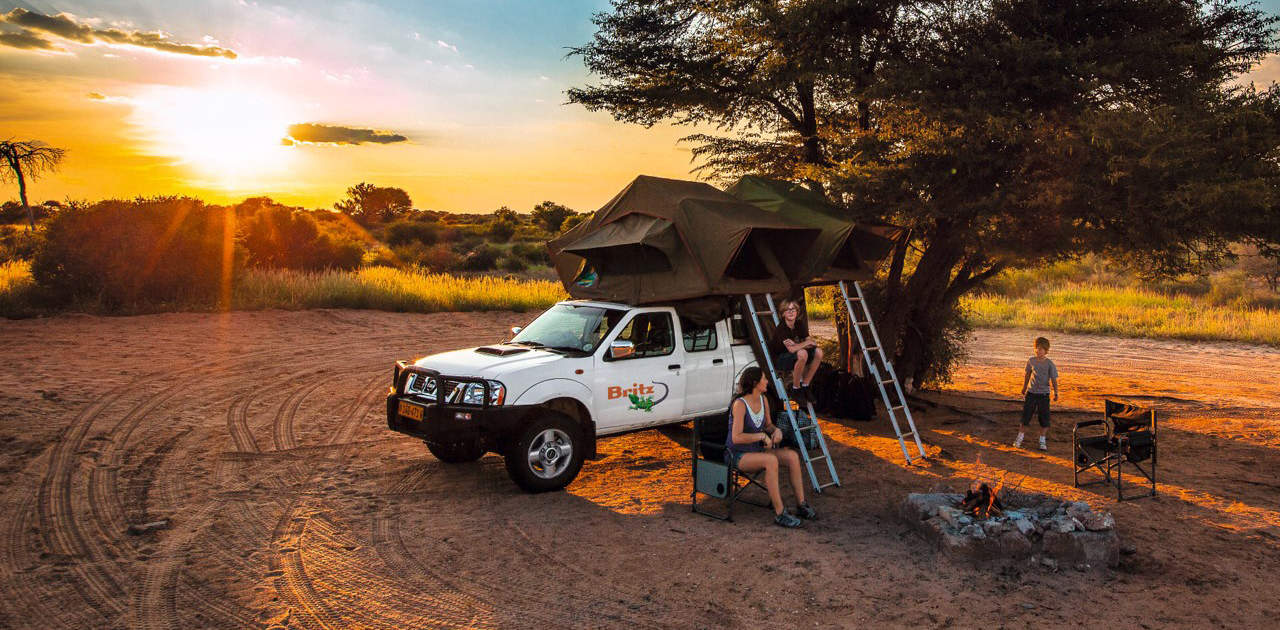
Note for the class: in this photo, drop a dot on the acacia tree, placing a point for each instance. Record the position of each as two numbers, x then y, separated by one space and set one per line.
369 204
28 159
999 132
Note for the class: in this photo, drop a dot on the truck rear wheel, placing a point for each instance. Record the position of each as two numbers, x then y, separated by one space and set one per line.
457 452
547 455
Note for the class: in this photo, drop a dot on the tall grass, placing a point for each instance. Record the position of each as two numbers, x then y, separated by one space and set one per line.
17 289
1128 311
387 289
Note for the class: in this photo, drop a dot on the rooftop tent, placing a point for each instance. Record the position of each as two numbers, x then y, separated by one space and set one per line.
843 251
667 240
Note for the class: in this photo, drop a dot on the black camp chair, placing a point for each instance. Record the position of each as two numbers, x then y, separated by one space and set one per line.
1125 435
712 475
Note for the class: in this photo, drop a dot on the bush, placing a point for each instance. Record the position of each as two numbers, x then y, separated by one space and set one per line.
534 254
531 233
501 231
161 249
282 238
18 243
405 232
513 264
482 258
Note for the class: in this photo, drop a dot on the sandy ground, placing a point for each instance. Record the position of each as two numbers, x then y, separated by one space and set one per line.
261 437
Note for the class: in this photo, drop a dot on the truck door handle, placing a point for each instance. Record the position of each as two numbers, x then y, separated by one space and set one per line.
717 361
673 366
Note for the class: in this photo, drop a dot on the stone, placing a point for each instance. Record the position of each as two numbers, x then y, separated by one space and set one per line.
918 507
1014 546
993 527
1098 521
1025 527
950 516
1078 509
1096 549
1049 562
973 531
1061 524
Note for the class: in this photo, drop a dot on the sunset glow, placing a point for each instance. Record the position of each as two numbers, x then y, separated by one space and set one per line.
230 137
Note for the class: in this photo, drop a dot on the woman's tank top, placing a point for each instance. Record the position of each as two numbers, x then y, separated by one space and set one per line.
752 422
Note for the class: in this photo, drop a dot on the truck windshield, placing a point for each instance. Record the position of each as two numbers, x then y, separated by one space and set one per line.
570 327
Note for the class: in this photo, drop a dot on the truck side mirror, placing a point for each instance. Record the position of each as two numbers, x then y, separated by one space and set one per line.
515 330
621 349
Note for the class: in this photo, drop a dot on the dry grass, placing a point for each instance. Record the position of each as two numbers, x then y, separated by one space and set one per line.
1127 311
387 289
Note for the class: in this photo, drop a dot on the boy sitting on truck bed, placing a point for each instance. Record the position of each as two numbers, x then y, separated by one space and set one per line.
793 349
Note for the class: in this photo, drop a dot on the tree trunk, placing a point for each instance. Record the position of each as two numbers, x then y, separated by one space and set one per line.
22 194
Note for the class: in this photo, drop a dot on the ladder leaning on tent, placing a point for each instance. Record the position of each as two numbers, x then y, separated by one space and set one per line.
895 402
797 430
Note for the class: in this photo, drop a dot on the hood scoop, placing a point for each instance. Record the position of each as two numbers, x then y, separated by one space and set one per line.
502 350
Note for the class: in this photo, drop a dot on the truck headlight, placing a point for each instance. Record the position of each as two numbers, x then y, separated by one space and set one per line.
474 394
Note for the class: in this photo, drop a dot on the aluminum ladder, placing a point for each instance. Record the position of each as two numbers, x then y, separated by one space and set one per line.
778 387
897 402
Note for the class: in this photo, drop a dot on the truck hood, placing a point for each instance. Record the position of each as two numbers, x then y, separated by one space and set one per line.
478 363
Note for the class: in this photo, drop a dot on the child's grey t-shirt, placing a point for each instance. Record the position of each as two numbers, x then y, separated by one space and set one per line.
1040 371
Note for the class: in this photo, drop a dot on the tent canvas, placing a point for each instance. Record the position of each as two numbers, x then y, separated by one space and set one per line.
843 251
665 240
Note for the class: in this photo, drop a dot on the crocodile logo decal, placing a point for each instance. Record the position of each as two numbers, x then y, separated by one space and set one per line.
647 403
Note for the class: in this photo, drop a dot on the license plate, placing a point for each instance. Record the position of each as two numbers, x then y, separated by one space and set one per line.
409 410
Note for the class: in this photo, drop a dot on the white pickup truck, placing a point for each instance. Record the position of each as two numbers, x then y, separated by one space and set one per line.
580 371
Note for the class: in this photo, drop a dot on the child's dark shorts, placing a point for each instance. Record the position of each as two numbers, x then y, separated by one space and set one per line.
785 361
1037 404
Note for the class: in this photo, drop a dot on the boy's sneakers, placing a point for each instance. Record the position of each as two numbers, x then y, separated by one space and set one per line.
797 394
806 512
1017 442
787 520
1043 446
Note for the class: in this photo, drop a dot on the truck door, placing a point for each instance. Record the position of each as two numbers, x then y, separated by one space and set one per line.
709 360
647 387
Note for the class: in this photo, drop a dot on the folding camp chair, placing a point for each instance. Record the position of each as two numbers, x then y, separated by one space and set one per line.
712 475
1128 438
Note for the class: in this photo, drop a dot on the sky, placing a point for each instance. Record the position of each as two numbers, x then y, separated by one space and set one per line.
459 102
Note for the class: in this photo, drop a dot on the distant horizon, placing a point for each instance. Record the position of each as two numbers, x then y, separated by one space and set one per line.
460 102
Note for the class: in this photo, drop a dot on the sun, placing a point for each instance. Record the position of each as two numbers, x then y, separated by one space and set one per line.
228 137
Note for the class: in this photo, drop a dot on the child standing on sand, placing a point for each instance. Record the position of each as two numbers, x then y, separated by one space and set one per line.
1041 375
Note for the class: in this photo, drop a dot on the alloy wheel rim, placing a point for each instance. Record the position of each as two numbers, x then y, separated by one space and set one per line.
550 453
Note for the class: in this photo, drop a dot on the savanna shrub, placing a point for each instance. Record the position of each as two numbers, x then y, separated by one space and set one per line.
532 253
158 249
17 243
501 231
280 238
482 258
404 232
513 264
440 258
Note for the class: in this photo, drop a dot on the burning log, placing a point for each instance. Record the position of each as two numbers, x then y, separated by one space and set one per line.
981 502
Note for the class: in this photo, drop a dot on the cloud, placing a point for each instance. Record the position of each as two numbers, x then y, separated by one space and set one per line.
27 40
443 44
312 133
103 98
65 26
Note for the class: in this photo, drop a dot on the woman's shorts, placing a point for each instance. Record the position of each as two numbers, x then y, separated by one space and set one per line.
785 361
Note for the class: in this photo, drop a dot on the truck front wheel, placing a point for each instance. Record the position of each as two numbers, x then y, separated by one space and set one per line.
457 452
547 455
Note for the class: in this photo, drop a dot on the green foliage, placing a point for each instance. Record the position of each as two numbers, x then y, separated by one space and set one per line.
159 249
403 232
550 215
500 231
572 222
370 205
18 243
532 253
1007 133
513 264
482 258
275 236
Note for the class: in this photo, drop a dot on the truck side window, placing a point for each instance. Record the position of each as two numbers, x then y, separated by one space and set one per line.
651 333
698 338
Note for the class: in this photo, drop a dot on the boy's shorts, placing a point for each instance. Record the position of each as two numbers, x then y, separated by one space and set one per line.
1038 404
785 361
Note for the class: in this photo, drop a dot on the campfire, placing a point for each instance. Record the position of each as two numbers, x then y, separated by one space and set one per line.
993 524
981 501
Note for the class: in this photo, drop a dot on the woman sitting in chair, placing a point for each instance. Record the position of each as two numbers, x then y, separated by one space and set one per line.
753 445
